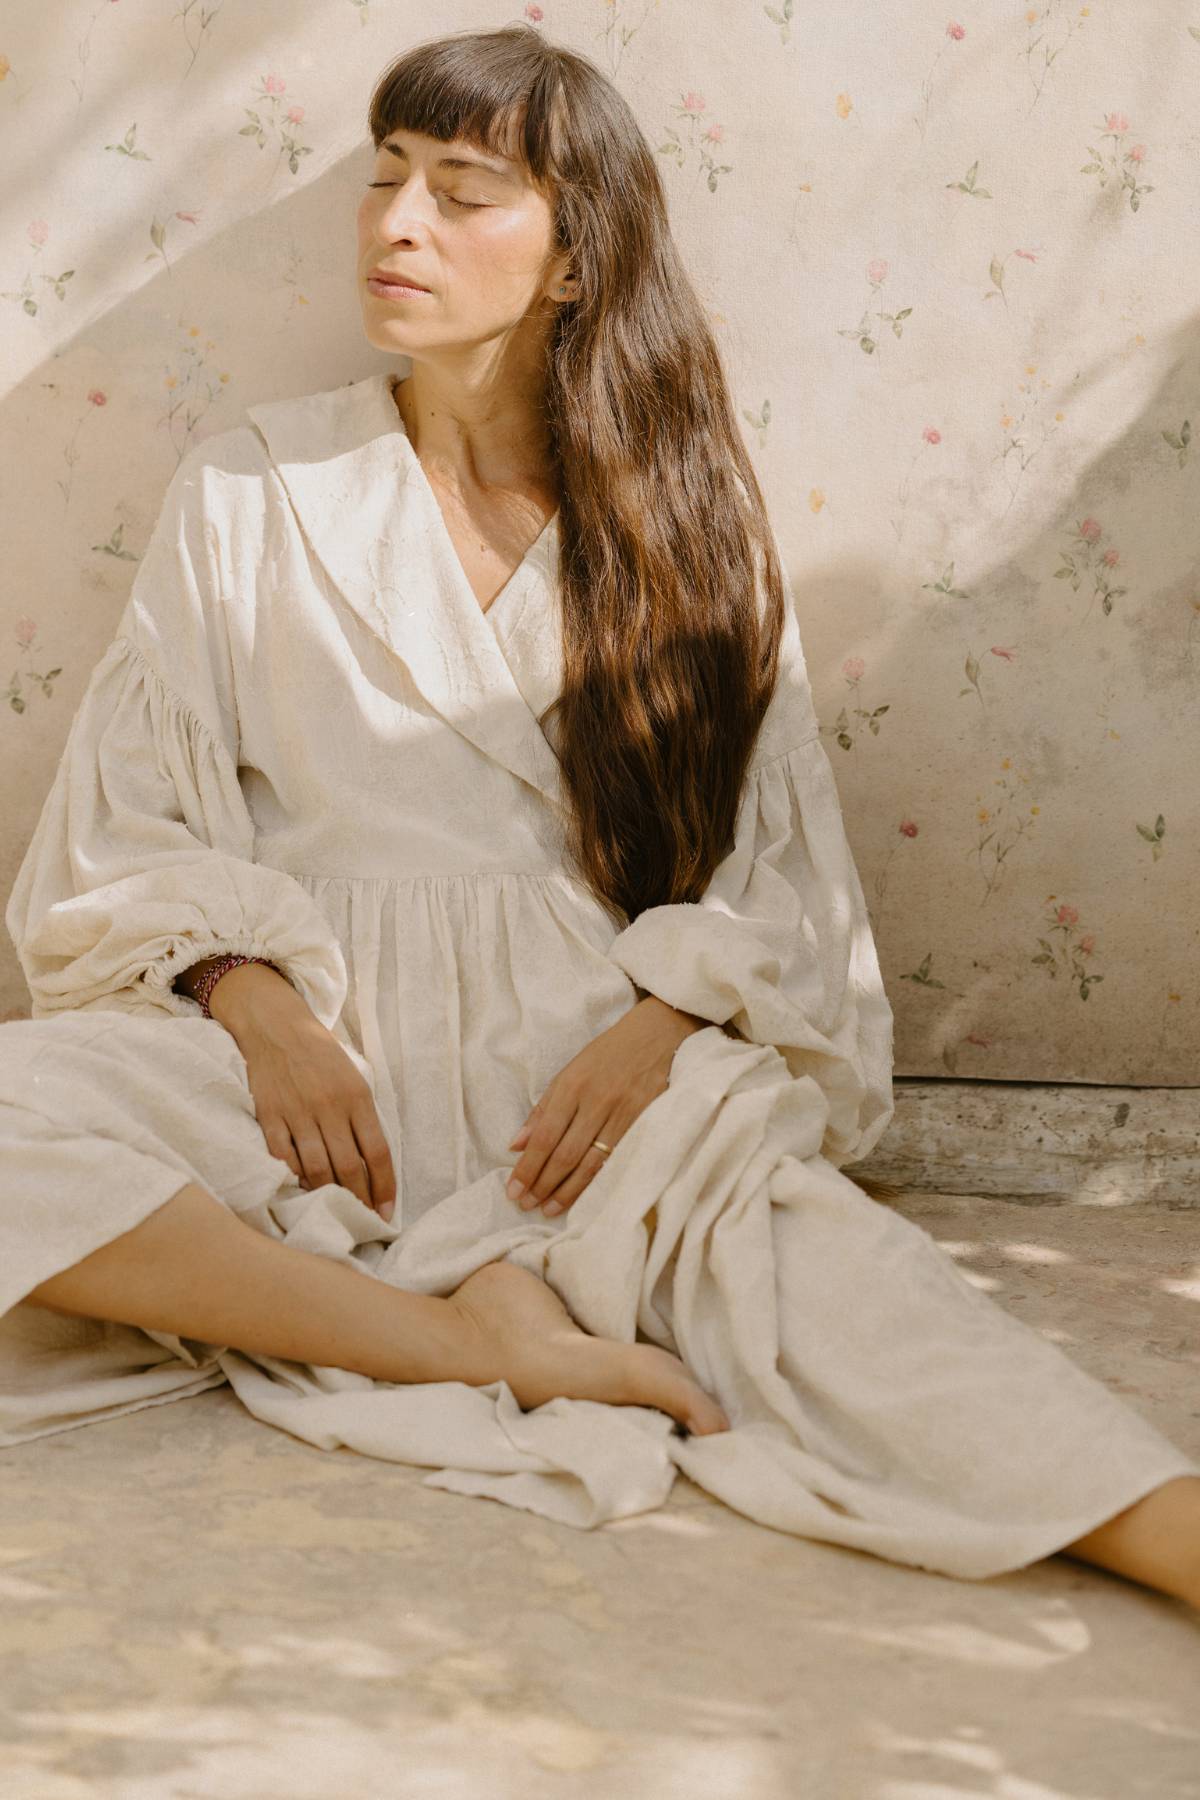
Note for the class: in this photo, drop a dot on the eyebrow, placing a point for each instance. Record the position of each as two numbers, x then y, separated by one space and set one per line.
459 162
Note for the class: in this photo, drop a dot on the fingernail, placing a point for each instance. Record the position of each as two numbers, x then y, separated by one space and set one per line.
387 1209
515 1188
551 1207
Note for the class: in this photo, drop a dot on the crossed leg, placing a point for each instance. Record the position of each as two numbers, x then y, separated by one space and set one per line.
194 1268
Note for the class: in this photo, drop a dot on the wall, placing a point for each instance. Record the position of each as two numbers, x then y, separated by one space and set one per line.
951 259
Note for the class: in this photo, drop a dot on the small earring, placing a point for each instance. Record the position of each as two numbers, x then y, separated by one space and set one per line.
562 290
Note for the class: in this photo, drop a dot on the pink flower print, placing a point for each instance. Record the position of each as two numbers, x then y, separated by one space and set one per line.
38 230
98 397
1116 122
877 271
1137 153
999 650
535 13
189 218
956 31
975 1037
1090 530
908 828
1111 557
932 435
1028 255
693 102
294 114
715 134
854 668
274 84
1087 944
25 630
1067 915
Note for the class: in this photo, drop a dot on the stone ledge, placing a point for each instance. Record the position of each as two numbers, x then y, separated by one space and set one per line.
1043 1143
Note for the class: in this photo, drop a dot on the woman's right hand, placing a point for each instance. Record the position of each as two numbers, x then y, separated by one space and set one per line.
316 1111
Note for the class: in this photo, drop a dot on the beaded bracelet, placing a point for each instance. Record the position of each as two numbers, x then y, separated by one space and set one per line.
222 966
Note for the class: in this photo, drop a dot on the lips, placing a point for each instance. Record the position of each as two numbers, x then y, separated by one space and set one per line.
397 279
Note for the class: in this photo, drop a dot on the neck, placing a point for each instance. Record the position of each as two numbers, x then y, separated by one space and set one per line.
473 442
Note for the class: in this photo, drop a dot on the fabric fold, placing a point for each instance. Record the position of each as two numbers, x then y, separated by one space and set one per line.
876 1396
780 948
142 859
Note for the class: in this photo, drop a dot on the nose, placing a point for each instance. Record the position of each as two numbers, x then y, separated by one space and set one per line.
399 195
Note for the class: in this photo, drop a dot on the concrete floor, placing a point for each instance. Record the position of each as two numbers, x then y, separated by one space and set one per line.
193 1604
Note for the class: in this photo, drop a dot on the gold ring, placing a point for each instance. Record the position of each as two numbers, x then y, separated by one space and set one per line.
597 1145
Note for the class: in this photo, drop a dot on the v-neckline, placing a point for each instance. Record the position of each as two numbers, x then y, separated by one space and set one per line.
416 467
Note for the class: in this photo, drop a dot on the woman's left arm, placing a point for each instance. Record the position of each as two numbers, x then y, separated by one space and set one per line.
778 951
779 948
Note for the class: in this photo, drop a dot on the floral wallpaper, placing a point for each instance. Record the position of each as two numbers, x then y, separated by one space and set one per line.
951 260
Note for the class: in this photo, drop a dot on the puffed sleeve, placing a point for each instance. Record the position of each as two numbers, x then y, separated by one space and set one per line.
142 859
779 946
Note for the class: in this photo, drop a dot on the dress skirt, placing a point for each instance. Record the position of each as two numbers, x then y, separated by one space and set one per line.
877 1398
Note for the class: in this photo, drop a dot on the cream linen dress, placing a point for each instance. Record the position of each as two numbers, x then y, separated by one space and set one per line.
308 742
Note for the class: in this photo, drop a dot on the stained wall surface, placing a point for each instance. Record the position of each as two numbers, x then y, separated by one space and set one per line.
952 265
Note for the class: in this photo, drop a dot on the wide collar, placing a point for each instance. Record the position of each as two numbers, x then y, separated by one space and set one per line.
369 515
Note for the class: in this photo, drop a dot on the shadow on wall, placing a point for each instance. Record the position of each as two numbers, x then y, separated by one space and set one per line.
1012 751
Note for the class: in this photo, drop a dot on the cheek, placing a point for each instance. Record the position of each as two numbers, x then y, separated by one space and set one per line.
507 253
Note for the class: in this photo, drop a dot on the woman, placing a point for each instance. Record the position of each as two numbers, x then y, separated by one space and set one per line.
450 805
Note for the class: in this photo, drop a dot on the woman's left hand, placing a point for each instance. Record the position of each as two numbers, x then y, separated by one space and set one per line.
598 1094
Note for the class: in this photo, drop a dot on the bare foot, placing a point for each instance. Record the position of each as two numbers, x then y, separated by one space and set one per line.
525 1336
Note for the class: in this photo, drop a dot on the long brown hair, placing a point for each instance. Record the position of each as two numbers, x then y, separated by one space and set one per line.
669 654
671 591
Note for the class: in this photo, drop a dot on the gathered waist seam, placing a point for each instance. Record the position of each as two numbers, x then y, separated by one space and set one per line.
548 875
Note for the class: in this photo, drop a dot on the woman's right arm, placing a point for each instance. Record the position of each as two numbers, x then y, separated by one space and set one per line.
230 1001
141 864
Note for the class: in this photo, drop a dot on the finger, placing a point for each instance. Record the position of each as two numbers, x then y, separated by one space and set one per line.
344 1155
588 1163
568 1191
310 1148
279 1143
535 1169
531 1119
525 1168
563 1165
376 1153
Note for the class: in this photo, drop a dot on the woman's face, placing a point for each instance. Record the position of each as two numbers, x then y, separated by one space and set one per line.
477 236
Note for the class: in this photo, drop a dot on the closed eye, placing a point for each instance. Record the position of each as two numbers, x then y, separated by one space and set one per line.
470 205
